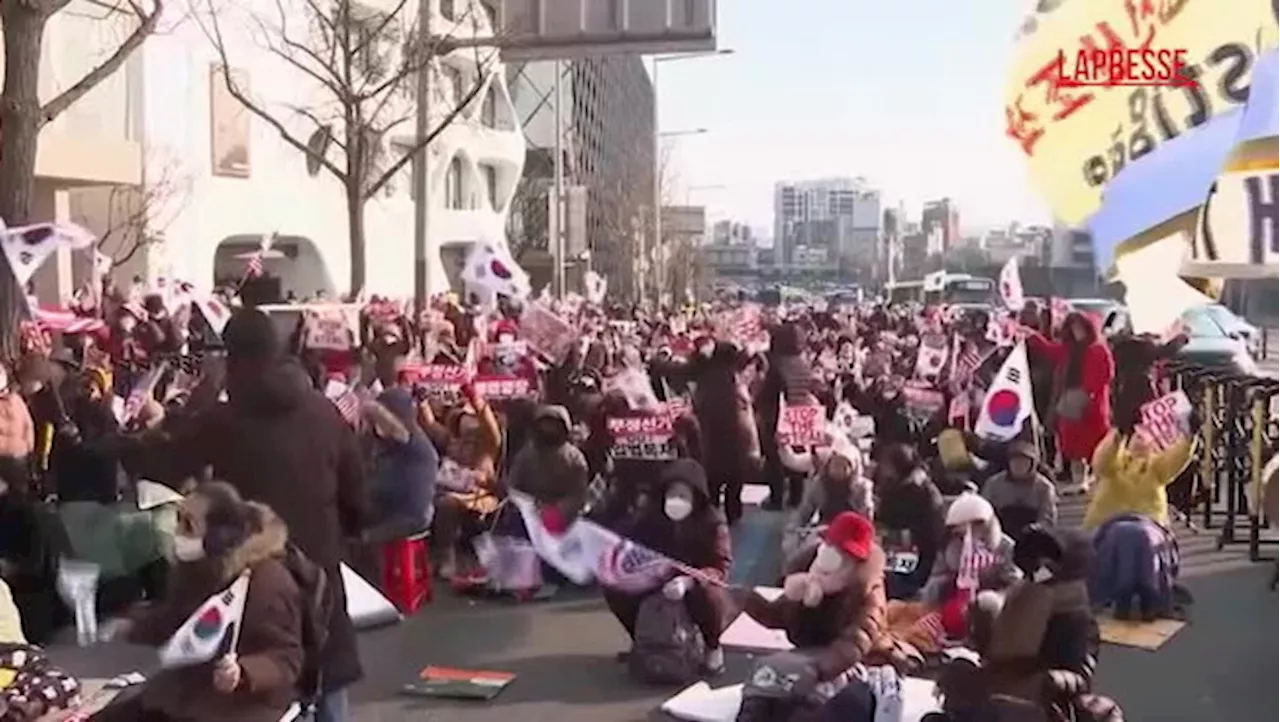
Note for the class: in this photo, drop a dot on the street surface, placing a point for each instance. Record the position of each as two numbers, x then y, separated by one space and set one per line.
1220 668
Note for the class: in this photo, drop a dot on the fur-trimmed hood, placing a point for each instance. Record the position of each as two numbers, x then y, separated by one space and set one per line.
267 539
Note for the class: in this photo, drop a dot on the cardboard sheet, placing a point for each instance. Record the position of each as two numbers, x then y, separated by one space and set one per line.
1150 636
746 634
702 703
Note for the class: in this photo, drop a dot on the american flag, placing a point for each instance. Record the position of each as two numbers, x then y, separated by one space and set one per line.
974 560
346 399
630 567
967 360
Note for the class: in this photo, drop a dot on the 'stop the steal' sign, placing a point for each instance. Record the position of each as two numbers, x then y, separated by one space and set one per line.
802 426
1163 421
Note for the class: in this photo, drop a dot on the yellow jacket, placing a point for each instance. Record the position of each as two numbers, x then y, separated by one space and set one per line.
1133 482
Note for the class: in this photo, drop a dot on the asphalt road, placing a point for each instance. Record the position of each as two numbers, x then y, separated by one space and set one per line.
1221 668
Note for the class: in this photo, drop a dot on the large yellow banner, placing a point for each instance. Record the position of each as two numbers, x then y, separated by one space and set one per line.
1077 139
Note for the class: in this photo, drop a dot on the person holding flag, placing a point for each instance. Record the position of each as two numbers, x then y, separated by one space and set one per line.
229 631
682 525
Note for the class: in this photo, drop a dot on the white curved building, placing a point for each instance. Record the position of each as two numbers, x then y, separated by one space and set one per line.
221 178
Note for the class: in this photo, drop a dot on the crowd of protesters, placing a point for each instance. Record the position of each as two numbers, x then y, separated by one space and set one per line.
907 531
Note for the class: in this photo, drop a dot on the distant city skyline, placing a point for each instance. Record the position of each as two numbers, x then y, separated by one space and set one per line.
911 101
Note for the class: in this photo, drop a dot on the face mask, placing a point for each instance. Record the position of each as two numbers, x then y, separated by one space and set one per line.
677 508
127 326
828 560
4 382
1041 575
706 350
188 548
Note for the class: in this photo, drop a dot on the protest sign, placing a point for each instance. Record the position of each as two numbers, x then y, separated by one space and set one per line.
642 437
1165 420
922 399
502 388
802 426
327 330
546 332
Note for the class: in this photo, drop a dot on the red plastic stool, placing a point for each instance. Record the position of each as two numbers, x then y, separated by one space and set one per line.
406 572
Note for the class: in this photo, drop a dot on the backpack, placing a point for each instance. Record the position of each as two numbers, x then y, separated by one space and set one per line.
317 608
667 647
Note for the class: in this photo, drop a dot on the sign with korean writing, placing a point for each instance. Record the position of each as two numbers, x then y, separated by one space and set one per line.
642 437
923 400
439 380
802 426
1165 420
1077 137
328 330
501 388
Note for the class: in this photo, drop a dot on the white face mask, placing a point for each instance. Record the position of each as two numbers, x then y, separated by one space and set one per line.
707 349
188 548
828 560
1041 575
677 508
4 382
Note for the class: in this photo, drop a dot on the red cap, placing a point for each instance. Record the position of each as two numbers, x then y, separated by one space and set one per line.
851 533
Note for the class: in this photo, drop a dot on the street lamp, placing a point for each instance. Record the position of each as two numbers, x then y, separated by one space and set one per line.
657 152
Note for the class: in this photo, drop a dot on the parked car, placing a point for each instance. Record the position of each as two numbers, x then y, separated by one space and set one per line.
1208 343
1238 327
1097 310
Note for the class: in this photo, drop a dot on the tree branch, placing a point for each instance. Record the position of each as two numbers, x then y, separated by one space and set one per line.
409 155
214 33
146 25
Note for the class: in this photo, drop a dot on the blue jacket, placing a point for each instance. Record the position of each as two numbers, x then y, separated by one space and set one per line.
405 466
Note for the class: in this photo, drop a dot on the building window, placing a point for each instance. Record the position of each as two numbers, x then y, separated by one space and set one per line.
490 174
489 108
453 185
453 78
448 10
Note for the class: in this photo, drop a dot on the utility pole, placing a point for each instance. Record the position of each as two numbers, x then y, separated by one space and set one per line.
557 242
421 175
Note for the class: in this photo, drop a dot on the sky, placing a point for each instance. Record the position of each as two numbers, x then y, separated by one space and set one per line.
907 94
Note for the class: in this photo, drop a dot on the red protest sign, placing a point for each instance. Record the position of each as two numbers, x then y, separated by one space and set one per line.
642 437
802 426
501 388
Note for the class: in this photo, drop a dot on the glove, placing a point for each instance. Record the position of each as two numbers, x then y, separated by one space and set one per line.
677 588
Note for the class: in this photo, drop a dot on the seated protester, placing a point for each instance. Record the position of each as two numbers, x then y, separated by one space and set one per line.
550 469
972 527
1129 516
220 536
34 687
909 519
467 483
837 486
404 468
1038 646
834 615
683 524
1021 495
128 544
31 542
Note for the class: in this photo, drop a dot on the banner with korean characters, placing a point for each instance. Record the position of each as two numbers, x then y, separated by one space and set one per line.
922 400
442 381
802 426
546 332
1077 138
650 437
503 388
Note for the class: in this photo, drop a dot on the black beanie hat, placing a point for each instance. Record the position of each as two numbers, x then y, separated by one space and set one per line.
250 334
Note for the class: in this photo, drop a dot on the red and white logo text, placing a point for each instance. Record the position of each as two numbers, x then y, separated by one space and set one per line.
1123 67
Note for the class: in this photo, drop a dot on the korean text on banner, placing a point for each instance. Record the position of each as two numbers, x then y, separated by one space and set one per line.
1076 139
1165 420
802 426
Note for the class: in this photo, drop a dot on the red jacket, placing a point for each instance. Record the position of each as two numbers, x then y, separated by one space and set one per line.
1077 439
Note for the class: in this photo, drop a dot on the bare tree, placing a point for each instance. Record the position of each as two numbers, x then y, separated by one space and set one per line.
135 217
23 115
360 66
